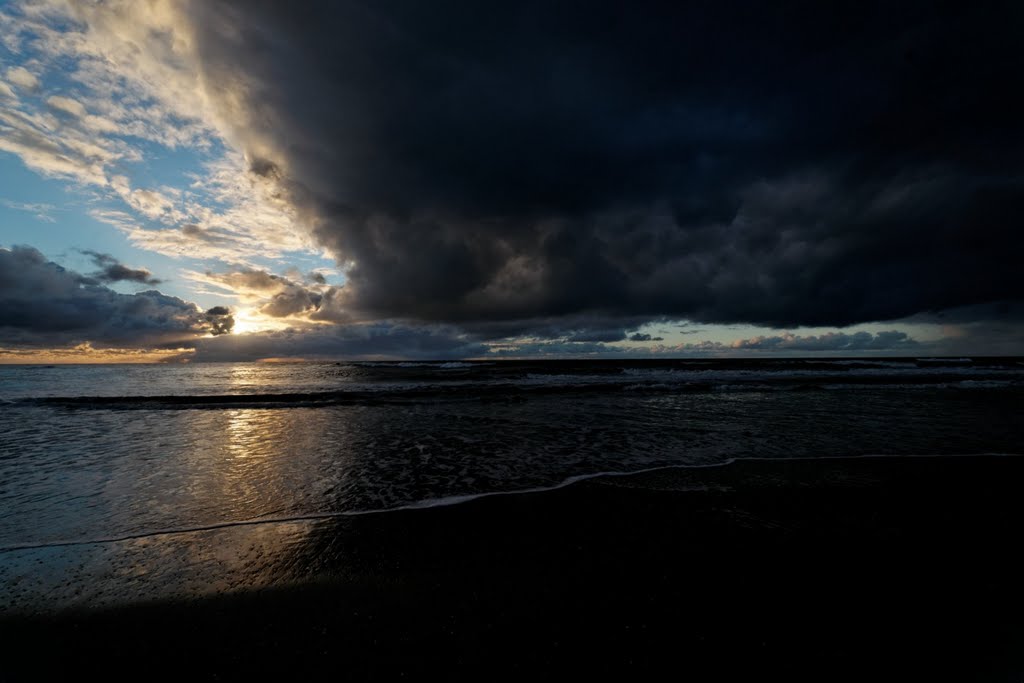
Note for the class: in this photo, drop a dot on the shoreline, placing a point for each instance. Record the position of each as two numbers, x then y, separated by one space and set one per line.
909 560
462 499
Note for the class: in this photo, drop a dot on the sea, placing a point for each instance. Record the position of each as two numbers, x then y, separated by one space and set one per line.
104 453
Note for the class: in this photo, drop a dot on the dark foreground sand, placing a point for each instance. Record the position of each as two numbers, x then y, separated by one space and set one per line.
852 569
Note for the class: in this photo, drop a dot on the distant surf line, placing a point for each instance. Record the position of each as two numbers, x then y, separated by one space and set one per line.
534 386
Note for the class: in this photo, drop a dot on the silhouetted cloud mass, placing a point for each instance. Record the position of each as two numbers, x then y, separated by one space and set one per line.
783 164
641 337
45 305
219 320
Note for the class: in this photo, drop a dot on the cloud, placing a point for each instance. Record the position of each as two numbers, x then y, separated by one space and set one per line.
128 63
555 349
112 84
537 171
581 327
246 281
892 340
292 301
86 353
67 105
43 305
277 296
72 156
225 214
219 320
111 270
380 340
152 204
642 337
991 329
598 335
525 160
41 211
22 77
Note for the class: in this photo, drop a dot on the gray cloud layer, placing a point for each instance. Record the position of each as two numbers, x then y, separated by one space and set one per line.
892 340
111 270
370 341
784 164
44 305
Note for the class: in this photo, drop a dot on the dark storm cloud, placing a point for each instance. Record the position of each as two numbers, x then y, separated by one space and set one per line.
580 327
111 270
784 163
598 335
995 329
44 305
1009 311
641 337
383 340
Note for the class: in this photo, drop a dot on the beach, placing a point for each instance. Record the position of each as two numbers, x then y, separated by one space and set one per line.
833 568
377 341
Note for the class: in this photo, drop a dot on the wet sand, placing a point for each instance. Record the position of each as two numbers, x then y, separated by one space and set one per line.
850 569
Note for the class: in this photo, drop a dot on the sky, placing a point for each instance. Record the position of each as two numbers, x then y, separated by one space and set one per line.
216 181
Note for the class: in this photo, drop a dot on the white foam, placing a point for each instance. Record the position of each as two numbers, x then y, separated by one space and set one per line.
542 379
752 386
465 498
985 384
863 361
899 376
634 376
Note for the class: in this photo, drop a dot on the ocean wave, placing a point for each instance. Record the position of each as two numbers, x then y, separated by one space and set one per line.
470 391
344 381
375 382
862 363
420 364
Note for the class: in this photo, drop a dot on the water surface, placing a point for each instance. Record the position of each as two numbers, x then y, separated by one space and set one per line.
103 452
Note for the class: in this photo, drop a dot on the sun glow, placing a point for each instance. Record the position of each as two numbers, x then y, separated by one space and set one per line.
249 321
